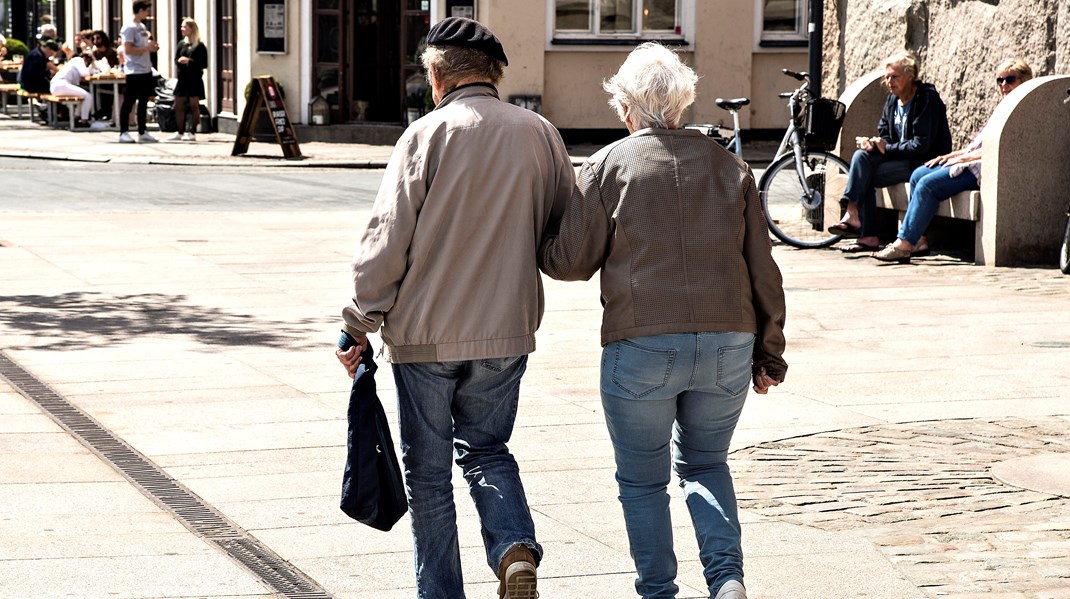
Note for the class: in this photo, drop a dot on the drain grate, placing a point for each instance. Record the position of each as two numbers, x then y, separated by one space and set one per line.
278 574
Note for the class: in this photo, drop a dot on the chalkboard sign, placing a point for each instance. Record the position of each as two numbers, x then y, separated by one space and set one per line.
266 110
271 27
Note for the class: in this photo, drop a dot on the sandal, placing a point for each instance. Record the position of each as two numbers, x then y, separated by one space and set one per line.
892 254
858 248
845 230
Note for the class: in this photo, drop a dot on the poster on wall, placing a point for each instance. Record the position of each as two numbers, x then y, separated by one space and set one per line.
461 8
271 29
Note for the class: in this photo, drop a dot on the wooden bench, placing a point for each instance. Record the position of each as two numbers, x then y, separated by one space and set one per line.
1025 172
52 103
29 97
10 89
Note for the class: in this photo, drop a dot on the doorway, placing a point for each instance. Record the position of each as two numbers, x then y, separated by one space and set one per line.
361 64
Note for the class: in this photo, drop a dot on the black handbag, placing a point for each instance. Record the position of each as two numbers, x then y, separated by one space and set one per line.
373 491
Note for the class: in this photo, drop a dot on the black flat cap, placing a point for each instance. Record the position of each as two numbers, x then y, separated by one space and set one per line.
466 33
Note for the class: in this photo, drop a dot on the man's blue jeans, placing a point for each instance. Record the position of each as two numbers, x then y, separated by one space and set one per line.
929 187
461 411
675 400
870 170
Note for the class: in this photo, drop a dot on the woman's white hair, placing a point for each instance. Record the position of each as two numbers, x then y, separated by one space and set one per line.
652 88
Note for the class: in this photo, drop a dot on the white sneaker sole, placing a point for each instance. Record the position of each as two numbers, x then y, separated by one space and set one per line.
520 581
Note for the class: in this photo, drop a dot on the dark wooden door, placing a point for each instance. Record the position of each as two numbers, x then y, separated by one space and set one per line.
227 53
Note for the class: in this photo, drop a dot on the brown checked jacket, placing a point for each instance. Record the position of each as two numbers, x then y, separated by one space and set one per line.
674 222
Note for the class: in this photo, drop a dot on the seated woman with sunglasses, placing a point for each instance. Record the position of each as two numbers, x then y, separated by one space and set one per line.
946 176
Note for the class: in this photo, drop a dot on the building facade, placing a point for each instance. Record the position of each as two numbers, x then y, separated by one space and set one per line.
362 56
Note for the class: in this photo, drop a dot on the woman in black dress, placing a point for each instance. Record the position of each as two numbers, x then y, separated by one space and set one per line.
191 58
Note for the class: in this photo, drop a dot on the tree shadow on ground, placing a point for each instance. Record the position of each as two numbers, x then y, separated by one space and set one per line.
80 320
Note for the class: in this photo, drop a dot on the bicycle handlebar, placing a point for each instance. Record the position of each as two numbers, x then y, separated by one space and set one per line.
798 76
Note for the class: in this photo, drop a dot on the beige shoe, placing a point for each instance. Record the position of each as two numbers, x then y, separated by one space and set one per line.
892 254
517 575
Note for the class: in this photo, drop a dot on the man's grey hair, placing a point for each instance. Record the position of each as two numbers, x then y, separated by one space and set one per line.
652 88
453 64
906 60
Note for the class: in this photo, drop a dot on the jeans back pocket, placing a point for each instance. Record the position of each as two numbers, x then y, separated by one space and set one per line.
635 370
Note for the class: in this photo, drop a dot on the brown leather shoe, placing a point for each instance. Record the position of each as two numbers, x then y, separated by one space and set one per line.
517 574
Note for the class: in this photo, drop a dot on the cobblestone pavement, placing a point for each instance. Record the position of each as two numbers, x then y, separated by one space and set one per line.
923 492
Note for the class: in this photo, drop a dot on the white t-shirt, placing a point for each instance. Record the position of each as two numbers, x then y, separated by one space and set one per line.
136 34
73 71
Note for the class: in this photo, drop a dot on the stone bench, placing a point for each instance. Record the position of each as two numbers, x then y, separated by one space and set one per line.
1025 172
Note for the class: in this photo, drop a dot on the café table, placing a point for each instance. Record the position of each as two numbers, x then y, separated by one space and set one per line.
103 84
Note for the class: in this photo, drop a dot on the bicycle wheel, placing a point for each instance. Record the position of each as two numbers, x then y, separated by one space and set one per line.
794 208
1064 251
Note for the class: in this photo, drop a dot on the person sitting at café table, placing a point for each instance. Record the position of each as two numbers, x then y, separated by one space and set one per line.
104 51
66 83
38 68
946 175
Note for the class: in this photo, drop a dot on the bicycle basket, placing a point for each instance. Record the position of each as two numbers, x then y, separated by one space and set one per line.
824 119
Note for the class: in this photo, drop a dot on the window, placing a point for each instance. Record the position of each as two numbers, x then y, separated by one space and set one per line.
784 22
616 19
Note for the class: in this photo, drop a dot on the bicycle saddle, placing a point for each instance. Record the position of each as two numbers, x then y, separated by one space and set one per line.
734 104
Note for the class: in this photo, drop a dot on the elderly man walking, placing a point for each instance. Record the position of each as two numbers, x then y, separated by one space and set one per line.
447 268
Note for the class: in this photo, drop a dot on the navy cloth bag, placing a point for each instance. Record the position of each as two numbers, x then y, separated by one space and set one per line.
373 491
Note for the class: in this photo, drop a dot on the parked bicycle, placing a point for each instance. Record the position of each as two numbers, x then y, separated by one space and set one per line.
731 140
804 172
1064 251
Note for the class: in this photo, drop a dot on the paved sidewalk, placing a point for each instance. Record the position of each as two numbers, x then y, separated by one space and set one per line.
21 138
914 451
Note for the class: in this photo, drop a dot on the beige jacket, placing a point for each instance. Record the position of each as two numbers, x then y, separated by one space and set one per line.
447 266
674 222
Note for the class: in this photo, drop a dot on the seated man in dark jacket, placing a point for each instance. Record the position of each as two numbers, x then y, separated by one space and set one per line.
37 67
913 129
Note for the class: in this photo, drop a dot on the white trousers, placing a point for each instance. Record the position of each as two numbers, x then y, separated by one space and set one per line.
66 89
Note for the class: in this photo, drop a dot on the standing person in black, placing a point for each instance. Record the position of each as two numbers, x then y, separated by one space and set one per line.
191 58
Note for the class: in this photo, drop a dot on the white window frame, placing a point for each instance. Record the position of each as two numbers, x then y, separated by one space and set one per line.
566 40
778 40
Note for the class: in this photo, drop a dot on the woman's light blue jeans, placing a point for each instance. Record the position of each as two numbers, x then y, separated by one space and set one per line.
929 187
674 400
461 411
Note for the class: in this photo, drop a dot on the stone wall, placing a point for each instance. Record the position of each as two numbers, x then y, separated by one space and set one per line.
959 42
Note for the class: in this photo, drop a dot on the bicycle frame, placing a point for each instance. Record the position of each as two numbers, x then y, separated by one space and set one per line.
793 141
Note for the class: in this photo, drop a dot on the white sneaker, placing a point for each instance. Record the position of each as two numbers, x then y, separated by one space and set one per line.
189 137
175 137
733 589
124 138
145 138
98 125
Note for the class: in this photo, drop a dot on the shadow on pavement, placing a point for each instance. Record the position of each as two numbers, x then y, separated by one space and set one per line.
80 320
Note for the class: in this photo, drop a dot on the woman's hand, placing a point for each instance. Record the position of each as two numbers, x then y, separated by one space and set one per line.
762 382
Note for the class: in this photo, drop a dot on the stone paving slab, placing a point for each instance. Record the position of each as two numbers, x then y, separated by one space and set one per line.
925 493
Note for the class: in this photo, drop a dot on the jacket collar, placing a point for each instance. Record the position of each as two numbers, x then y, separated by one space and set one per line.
468 90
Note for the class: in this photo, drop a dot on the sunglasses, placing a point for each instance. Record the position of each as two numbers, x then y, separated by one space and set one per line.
1009 80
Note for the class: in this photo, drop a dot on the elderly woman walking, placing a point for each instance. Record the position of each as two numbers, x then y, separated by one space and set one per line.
694 310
